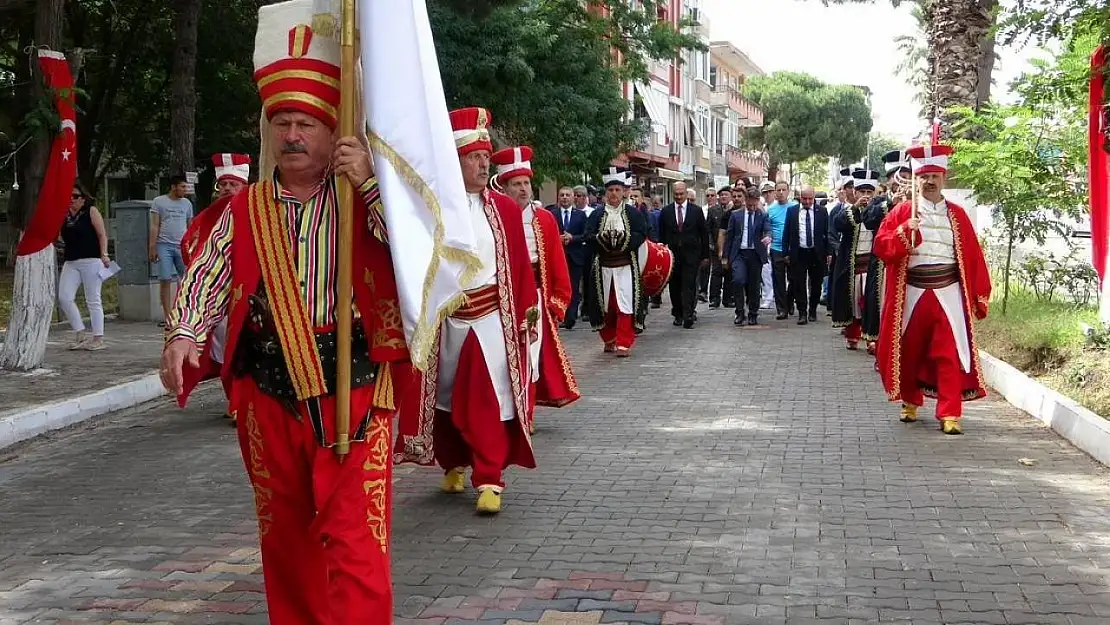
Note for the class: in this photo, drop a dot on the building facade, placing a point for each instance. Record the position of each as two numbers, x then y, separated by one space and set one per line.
729 70
693 110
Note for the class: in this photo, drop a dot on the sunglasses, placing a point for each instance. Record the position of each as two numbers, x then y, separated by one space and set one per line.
76 196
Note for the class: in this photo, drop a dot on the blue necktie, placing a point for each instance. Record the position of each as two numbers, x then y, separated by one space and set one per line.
566 218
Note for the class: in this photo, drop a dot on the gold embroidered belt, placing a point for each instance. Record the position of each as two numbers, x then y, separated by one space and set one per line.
933 276
479 303
862 261
615 260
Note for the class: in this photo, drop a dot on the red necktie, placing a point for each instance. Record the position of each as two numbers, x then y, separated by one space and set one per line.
680 217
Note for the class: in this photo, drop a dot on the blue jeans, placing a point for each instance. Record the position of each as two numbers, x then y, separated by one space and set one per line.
170 265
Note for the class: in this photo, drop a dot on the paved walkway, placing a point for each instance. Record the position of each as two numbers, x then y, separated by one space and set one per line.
133 350
773 486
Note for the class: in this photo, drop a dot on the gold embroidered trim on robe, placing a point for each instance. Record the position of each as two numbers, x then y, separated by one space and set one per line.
275 255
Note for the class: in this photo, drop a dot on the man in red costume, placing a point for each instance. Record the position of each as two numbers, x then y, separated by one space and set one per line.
937 280
232 174
473 398
270 268
551 371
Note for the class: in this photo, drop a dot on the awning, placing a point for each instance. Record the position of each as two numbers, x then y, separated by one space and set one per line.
670 174
656 111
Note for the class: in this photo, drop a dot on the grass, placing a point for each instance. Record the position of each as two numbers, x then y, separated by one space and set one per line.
1045 340
109 295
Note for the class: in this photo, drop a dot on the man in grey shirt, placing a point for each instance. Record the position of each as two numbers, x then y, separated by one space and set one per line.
169 217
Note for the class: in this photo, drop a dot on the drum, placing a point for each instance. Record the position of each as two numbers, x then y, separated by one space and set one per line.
656 264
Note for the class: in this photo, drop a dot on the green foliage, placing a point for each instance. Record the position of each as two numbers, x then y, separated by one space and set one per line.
1028 159
879 146
1046 20
813 171
804 117
545 71
1047 276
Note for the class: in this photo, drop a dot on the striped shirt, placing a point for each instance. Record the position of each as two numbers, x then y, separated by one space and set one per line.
313 231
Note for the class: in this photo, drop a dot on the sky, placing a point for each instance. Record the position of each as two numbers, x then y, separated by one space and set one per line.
852 44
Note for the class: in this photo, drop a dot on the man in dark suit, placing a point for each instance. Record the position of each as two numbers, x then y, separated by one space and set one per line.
572 228
684 229
804 245
743 247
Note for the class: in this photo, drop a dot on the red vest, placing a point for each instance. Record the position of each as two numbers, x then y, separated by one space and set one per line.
375 289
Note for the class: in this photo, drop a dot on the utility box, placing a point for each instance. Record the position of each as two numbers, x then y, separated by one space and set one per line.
138 282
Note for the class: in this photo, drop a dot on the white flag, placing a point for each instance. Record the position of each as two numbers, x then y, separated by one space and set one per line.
417 165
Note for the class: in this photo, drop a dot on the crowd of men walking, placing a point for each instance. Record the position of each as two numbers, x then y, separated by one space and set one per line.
261 294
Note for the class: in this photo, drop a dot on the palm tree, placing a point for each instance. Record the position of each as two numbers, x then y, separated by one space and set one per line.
914 64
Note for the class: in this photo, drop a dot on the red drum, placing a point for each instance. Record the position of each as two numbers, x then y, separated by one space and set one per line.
656 264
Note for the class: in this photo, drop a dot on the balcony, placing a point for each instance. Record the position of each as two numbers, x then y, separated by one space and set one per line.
745 161
750 114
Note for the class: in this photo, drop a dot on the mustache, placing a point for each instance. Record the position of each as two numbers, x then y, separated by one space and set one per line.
293 148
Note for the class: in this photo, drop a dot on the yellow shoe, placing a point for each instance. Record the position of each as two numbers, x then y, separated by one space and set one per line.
454 482
489 500
909 413
951 425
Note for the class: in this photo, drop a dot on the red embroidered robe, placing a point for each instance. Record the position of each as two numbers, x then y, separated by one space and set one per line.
517 289
375 291
556 386
198 232
893 244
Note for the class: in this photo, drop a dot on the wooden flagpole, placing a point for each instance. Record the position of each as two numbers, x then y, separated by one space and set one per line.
347 111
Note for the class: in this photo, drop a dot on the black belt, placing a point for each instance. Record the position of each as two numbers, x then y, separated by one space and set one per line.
259 355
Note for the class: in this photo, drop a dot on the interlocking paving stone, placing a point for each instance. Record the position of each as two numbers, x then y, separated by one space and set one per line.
720 475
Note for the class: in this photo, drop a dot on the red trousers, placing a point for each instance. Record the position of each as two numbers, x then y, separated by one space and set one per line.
928 343
854 330
618 330
323 524
473 434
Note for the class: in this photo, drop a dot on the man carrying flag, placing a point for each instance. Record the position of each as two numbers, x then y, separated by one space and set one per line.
937 282
270 268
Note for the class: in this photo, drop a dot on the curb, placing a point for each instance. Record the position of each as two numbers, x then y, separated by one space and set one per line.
38 420
1083 428
61 325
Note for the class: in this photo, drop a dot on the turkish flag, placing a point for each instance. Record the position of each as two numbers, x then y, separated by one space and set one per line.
54 196
1098 165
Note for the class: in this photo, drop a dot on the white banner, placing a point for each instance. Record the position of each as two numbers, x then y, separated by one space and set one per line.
426 211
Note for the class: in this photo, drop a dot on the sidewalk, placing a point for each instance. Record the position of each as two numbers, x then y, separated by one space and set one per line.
76 385
775 486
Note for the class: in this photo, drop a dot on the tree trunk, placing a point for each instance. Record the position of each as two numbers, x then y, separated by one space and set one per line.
48 32
986 70
33 291
183 102
959 34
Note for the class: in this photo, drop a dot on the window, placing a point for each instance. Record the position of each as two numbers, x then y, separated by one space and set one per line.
713 75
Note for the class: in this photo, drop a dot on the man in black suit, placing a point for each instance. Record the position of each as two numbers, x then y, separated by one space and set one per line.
684 229
572 228
743 247
804 244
